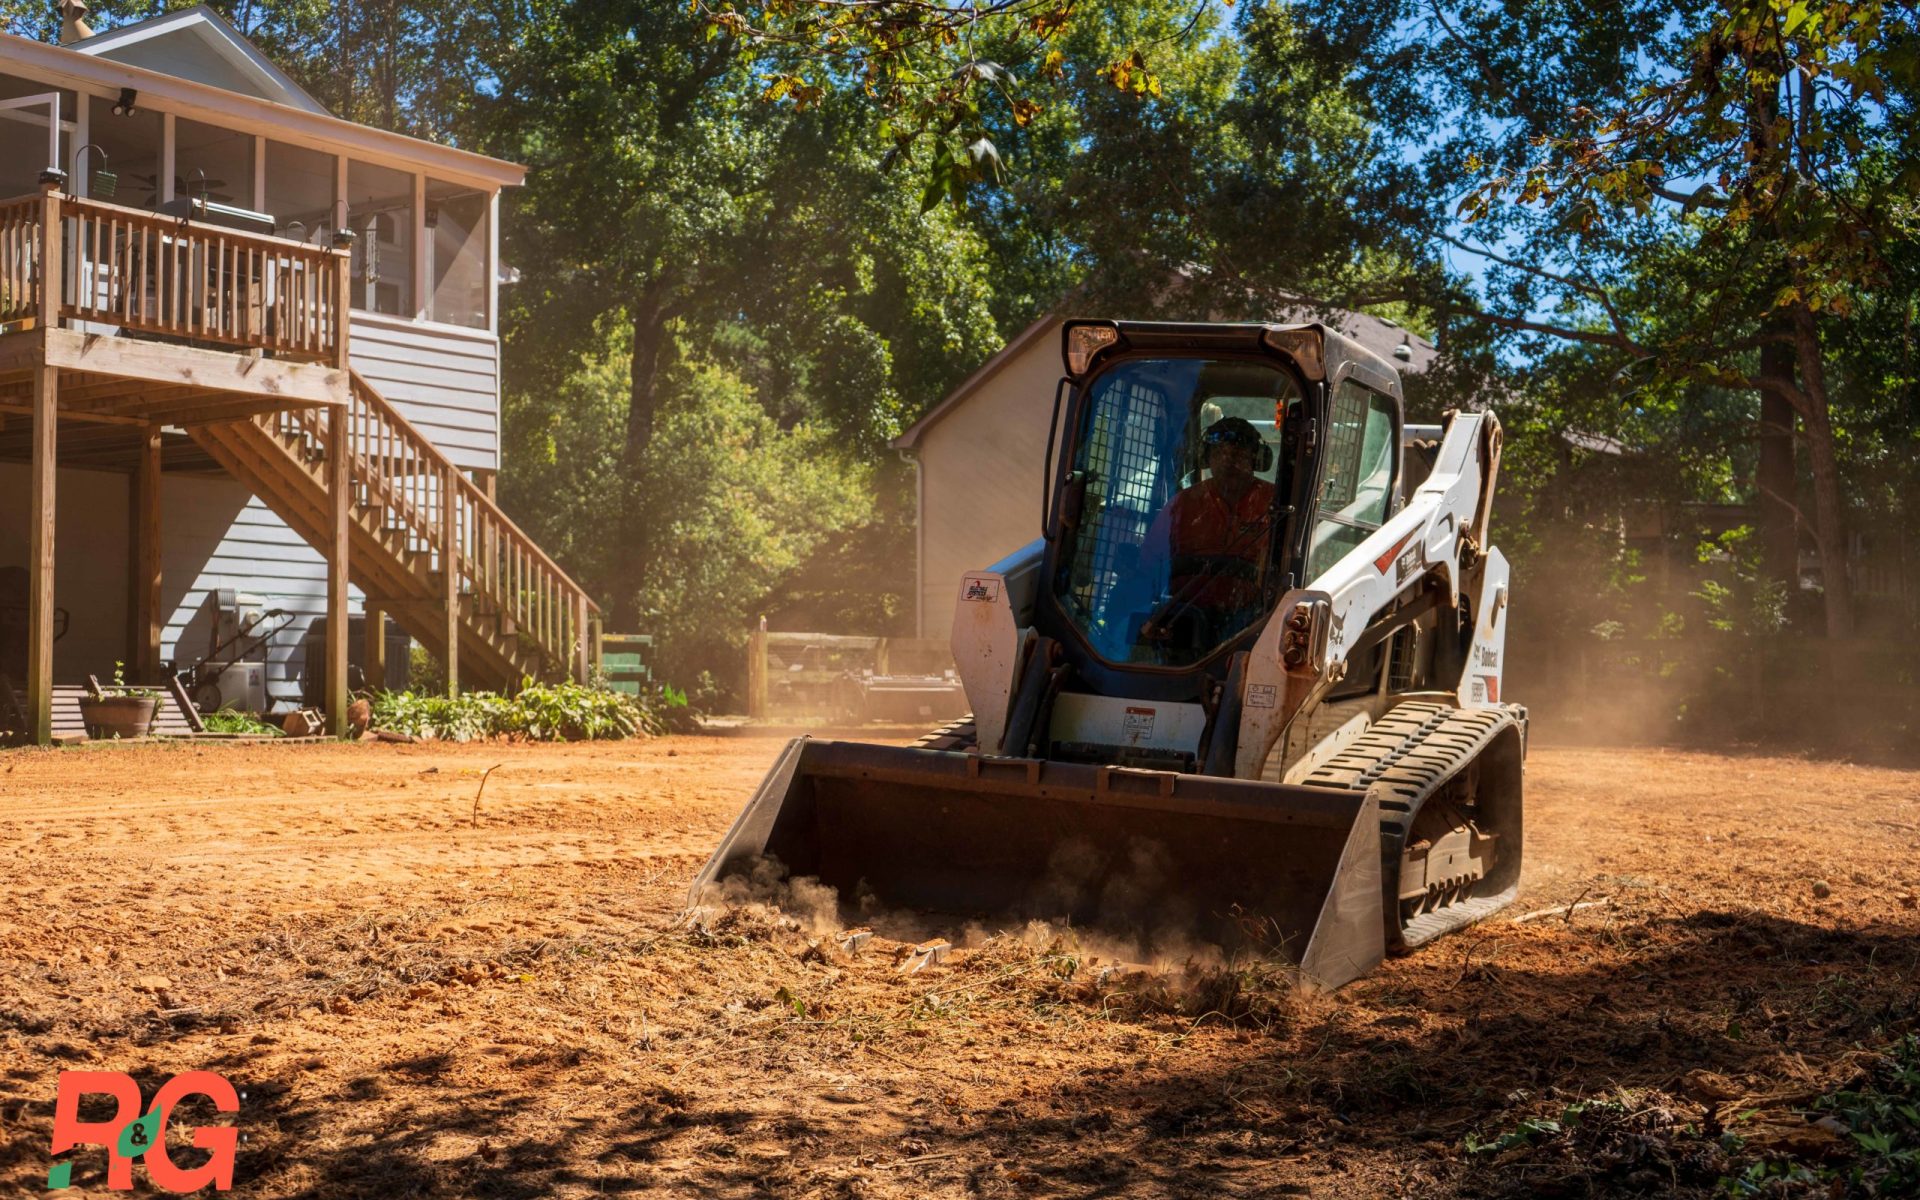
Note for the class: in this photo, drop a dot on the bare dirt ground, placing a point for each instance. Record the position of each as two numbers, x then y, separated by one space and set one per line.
417 1002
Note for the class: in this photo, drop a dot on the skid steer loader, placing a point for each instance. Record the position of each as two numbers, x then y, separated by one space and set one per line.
1244 692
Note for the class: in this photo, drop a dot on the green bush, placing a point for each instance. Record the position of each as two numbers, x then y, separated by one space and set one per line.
228 721
561 712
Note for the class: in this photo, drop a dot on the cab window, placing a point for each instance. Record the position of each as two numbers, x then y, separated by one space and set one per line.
1357 484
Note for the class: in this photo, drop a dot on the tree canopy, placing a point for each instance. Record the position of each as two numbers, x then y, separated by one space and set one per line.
1674 242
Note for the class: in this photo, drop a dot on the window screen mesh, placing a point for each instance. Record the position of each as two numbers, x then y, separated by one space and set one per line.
1125 487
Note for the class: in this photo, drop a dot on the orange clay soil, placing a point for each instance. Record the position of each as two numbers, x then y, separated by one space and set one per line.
416 1004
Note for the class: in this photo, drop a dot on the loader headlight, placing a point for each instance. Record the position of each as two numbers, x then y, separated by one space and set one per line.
1081 341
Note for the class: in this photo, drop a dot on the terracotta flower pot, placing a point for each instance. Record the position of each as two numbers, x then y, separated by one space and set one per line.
118 716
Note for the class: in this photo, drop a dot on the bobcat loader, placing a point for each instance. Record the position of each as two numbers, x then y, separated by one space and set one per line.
1245 692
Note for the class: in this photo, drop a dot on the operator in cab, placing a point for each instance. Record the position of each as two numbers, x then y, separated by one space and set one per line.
1215 537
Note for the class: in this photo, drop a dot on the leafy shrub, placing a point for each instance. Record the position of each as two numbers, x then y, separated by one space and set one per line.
568 712
228 721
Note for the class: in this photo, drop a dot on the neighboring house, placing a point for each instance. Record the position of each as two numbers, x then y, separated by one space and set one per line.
980 453
204 273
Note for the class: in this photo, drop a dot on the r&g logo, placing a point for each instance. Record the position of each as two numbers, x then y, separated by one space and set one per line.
129 1135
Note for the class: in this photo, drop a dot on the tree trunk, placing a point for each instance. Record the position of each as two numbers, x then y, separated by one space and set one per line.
1829 517
650 339
345 68
1776 477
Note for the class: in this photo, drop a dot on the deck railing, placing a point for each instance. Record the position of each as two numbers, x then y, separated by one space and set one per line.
441 513
19 252
147 273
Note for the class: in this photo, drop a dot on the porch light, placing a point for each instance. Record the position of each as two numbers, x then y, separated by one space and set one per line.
1082 342
343 238
123 107
53 177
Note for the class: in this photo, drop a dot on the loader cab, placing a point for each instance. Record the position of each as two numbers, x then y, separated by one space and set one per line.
1203 471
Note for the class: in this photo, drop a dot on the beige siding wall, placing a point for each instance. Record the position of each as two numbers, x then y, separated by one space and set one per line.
980 471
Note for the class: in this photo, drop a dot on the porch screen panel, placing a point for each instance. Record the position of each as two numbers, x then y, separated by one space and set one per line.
212 163
456 250
23 137
126 167
380 213
300 192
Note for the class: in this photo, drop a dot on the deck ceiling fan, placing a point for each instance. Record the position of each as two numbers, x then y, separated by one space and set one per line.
207 189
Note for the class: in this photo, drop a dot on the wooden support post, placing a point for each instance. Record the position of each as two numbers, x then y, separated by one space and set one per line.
40 511
375 656
583 665
143 570
757 671
339 499
450 575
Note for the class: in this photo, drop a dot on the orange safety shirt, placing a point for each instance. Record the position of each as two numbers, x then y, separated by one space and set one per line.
1202 524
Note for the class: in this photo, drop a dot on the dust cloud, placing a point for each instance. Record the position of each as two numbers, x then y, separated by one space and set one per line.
1140 924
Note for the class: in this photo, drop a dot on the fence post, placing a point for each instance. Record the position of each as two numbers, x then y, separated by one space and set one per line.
757 672
585 659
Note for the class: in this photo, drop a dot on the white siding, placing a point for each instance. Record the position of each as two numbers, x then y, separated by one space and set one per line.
445 380
215 534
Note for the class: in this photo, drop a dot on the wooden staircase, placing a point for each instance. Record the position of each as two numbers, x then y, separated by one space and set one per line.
426 545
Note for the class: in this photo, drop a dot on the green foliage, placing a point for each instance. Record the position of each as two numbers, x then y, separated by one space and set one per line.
1744 601
568 712
119 686
228 721
1880 1112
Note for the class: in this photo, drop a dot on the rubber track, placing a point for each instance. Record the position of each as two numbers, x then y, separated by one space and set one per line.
957 736
1403 758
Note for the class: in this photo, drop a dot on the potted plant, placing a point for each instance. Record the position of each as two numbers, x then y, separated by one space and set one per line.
118 711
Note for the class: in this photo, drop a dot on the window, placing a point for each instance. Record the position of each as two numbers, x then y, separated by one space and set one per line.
1174 478
456 250
380 213
1357 478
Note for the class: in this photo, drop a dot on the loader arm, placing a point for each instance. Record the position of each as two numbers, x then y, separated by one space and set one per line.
1433 551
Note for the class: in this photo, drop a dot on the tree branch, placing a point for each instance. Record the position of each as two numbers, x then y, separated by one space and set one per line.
1695 199
1618 341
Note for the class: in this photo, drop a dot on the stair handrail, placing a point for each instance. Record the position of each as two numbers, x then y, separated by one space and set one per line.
468 488
549 606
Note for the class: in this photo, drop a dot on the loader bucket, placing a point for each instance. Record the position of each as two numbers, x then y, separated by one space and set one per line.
1166 861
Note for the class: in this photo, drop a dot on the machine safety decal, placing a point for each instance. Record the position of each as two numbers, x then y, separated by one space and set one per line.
1386 560
1408 563
1487 688
1139 723
1260 695
980 590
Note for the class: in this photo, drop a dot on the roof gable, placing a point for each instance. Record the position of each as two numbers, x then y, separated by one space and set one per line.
198 44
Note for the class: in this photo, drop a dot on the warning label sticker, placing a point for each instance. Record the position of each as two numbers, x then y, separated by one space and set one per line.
980 590
1139 724
1260 695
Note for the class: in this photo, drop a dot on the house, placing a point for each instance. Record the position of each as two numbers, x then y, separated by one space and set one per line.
980 453
246 346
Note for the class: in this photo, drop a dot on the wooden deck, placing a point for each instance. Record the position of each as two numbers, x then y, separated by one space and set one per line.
152 344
